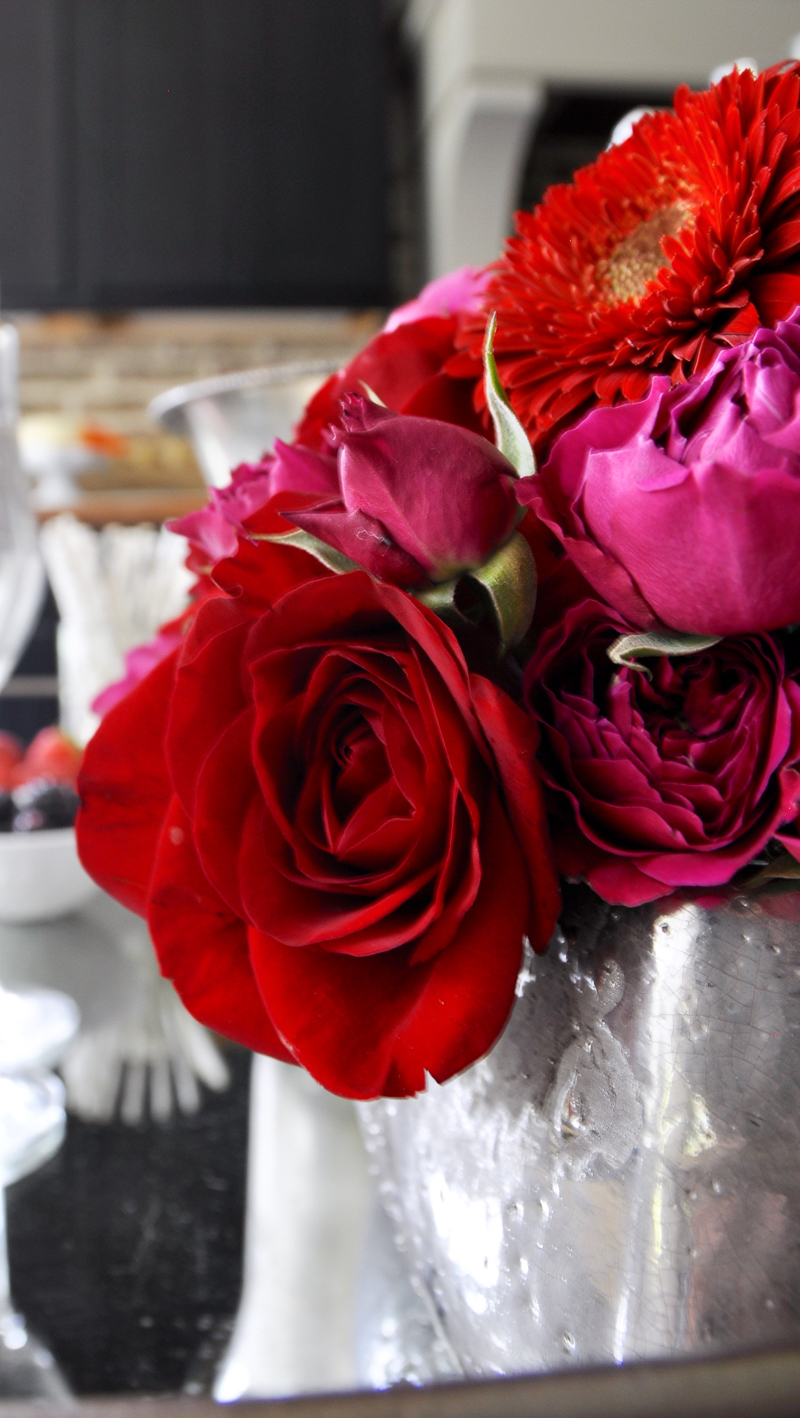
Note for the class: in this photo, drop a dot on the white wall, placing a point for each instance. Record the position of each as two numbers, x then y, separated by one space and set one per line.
486 64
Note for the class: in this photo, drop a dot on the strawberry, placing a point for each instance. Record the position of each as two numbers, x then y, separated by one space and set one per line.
11 751
51 755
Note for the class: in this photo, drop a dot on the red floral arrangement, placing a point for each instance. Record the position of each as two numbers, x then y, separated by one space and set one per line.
342 787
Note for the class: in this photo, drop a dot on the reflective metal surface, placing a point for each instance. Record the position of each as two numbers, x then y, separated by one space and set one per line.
620 1178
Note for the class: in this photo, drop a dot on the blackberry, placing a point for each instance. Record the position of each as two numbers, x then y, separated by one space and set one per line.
42 803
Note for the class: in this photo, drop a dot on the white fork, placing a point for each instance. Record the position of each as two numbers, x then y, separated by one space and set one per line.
151 1058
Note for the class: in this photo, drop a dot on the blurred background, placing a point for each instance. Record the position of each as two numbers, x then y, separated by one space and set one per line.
194 187
165 153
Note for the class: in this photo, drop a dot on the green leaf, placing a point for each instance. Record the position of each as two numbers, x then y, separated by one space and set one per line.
512 440
329 556
509 578
656 643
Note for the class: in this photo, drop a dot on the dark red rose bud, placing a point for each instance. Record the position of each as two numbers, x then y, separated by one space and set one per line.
440 495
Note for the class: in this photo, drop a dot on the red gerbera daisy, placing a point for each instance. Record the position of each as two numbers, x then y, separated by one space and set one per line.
681 239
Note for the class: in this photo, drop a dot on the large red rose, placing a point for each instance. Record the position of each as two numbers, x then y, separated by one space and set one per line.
334 830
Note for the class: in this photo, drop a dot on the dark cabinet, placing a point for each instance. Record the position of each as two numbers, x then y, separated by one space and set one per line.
176 152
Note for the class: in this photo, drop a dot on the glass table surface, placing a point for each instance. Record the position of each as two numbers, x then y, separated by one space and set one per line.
236 1251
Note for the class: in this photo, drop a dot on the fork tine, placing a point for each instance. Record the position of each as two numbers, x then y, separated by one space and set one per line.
92 1071
186 1088
133 1093
160 1090
198 1048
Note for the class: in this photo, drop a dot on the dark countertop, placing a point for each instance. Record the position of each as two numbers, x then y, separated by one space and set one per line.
126 1248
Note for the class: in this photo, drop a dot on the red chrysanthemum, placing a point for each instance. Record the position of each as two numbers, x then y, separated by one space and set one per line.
680 240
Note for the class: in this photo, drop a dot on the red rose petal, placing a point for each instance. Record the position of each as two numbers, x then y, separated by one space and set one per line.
209 691
457 884
396 365
448 399
776 295
214 977
226 787
300 912
125 790
368 1026
514 740
261 572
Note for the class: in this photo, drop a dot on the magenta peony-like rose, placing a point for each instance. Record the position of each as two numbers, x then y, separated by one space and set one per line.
684 509
418 500
675 781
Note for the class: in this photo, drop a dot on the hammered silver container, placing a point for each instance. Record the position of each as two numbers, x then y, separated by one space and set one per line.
620 1178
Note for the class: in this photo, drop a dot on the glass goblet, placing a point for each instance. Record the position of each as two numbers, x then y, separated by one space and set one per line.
35 1026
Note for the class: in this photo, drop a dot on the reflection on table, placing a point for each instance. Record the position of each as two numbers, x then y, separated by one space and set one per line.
126 1248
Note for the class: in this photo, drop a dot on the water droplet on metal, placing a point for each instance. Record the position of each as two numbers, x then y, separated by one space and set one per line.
568 1342
571 1117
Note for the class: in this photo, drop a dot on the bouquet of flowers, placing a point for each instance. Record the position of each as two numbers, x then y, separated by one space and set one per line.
346 786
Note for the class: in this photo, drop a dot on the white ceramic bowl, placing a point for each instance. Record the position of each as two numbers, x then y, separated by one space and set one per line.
41 876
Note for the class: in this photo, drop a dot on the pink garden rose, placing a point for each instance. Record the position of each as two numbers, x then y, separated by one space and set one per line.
419 500
675 781
684 509
458 291
214 530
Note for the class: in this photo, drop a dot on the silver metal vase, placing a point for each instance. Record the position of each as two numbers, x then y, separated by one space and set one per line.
620 1178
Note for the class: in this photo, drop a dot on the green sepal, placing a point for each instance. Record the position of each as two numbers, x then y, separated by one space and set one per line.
329 556
511 438
509 578
440 598
508 581
655 643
